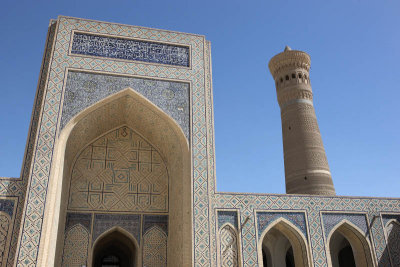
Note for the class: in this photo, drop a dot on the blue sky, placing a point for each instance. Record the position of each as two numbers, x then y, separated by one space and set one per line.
355 75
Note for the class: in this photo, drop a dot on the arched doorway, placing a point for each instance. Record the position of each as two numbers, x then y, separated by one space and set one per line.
131 110
282 244
341 252
114 249
348 247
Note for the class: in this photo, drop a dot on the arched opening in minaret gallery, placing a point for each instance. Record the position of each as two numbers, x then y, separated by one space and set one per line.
125 164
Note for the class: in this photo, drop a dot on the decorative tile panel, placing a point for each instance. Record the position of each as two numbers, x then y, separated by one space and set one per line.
388 217
10 214
119 171
130 49
76 247
225 216
154 248
266 218
85 89
50 115
330 220
104 222
228 247
7 206
84 219
5 227
160 221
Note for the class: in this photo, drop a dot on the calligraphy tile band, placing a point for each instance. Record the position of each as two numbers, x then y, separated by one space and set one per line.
130 49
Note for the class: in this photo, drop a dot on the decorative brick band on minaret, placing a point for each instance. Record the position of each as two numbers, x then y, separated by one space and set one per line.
306 165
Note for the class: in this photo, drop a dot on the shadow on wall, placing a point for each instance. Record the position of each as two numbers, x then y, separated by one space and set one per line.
391 254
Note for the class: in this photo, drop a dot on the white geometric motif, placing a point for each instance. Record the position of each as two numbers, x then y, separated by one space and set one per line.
76 247
228 247
4 226
155 248
119 171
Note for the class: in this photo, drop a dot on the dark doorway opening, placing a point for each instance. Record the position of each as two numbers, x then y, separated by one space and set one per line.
289 258
346 257
114 250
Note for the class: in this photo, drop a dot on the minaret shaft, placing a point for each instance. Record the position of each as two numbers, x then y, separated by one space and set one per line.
306 165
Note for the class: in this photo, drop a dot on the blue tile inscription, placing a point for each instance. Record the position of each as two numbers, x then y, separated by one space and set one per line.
129 49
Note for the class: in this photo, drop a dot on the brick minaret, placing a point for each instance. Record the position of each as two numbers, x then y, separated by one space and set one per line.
306 166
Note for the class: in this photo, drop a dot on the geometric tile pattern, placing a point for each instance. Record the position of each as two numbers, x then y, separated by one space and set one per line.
388 217
119 48
225 216
155 248
84 219
76 247
119 171
330 220
49 117
209 115
161 221
84 89
228 247
129 222
266 218
7 206
5 225
78 230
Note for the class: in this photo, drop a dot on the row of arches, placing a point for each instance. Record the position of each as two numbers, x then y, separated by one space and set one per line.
293 77
282 244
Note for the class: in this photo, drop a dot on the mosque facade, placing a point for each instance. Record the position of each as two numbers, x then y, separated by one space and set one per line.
119 167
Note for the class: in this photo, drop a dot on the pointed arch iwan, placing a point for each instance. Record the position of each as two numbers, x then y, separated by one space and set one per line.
130 108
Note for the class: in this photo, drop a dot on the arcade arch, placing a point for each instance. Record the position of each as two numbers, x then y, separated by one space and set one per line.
348 247
282 244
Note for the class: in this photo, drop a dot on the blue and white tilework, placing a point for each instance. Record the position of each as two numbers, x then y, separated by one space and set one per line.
128 49
227 216
128 222
84 219
264 219
7 206
155 220
60 63
85 89
330 220
388 217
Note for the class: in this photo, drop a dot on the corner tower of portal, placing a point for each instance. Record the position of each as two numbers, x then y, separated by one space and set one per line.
306 165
